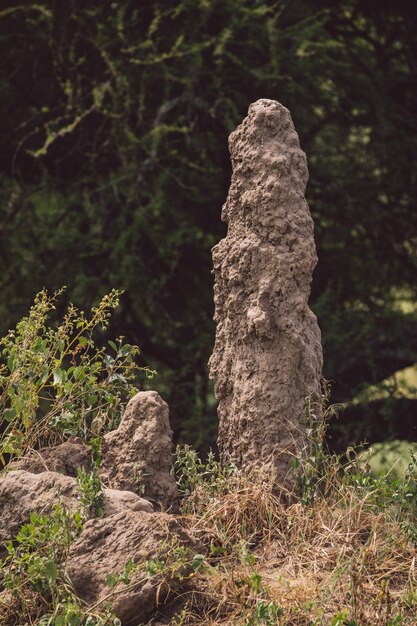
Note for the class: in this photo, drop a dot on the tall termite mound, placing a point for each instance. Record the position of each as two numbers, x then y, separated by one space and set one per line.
267 358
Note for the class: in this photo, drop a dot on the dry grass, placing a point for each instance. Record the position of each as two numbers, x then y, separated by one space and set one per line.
344 559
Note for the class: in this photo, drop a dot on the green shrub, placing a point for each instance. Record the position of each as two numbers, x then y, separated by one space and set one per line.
90 492
56 382
34 575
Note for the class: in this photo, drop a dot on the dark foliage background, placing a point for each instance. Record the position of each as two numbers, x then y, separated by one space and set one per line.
114 165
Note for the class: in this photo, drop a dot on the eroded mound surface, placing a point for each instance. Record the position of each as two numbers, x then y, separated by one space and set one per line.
267 357
106 545
136 461
138 455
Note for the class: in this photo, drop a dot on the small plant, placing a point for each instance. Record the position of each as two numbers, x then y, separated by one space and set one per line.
204 480
312 468
34 575
40 547
124 577
266 614
90 492
175 560
395 496
264 611
408 505
55 382
33 571
341 619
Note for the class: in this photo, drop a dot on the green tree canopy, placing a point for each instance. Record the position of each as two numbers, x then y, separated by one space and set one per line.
114 166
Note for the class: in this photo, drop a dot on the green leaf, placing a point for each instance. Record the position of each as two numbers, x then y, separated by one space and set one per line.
57 376
129 567
74 619
9 414
111 580
198 560
79 373
51 572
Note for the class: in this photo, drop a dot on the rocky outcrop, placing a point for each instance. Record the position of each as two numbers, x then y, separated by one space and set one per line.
116 501
136 459
137 456
66 458
23 492
106 545
267 357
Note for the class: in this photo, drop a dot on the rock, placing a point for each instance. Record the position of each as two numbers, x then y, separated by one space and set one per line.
23 492
137 456
106 545
65 458
117 500
267 357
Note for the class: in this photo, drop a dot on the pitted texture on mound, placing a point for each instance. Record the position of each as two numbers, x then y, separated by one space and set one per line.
106 545
66 458
137 456
22 493
267 357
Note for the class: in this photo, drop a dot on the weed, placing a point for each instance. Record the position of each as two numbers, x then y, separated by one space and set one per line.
173 561
266 614
90 492
341 619
313 468
33 572
55 382
197 480
34 575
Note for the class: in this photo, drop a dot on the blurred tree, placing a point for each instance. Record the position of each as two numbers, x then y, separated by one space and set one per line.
114 166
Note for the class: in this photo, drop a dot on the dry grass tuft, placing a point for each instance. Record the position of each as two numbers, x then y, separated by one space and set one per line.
347 557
